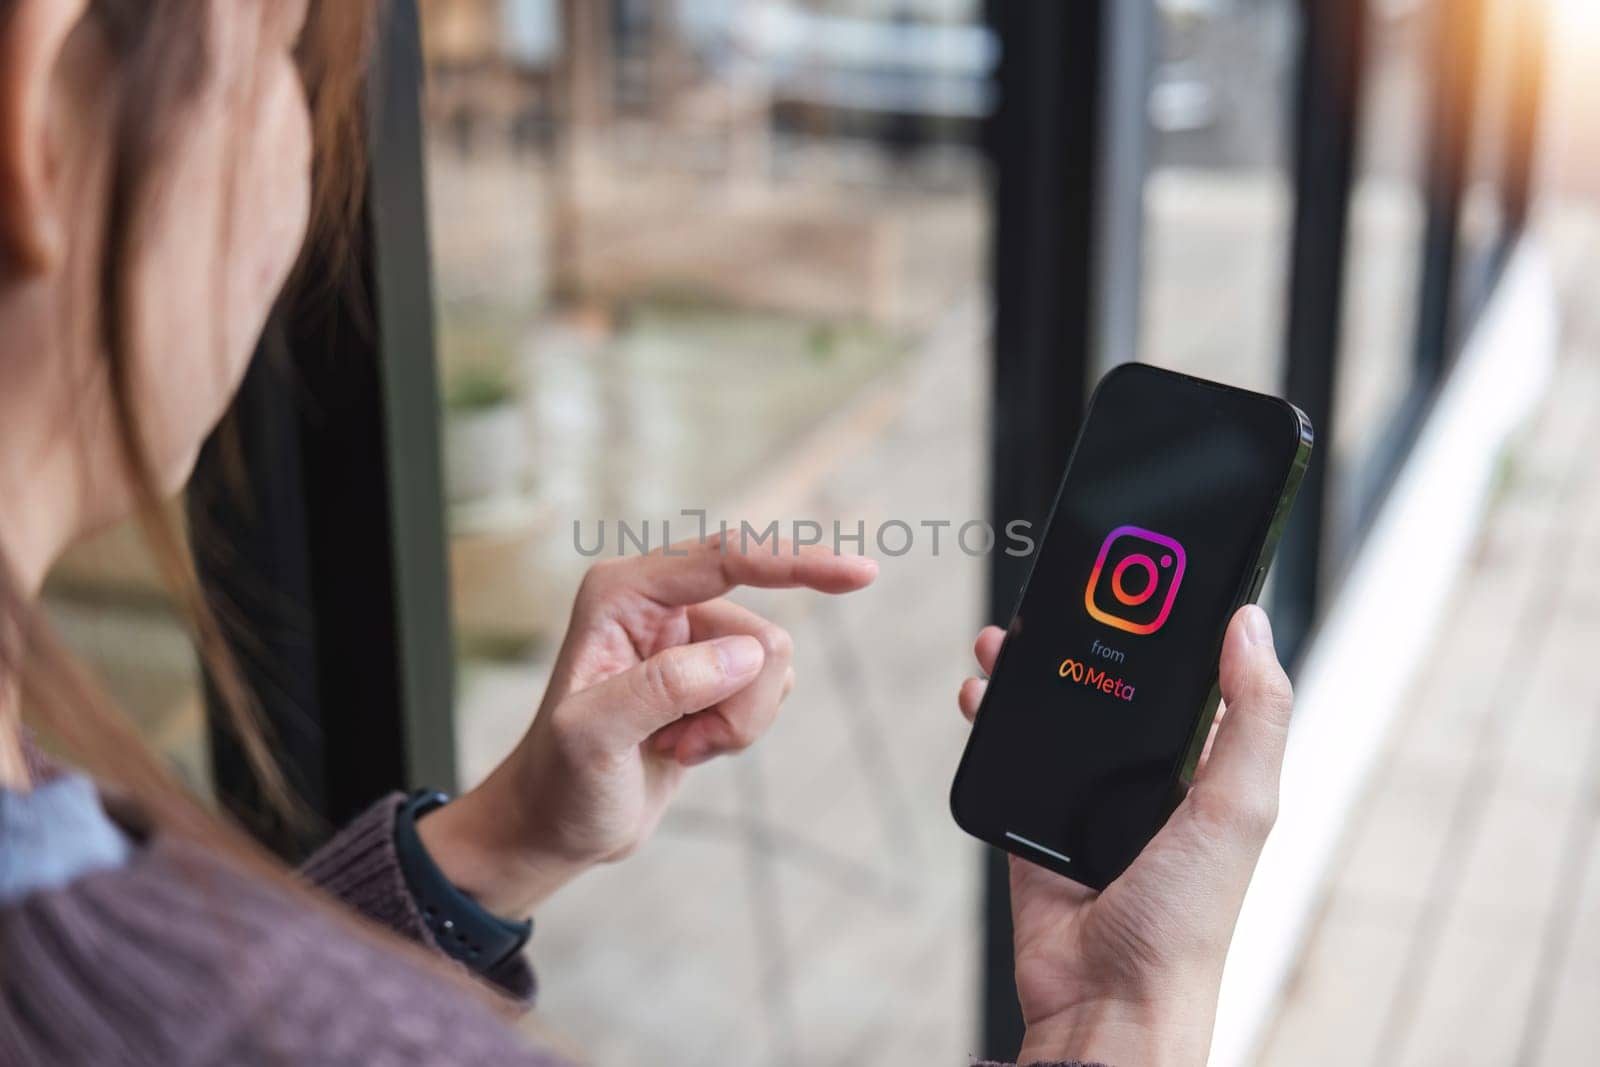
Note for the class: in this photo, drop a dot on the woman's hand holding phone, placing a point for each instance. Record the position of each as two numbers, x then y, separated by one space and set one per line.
658 673
1130 974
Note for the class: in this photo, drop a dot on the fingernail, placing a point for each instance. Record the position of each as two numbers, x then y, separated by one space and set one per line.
1256 626
740 655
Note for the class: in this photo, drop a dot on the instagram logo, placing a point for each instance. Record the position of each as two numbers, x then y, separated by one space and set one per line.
1146 570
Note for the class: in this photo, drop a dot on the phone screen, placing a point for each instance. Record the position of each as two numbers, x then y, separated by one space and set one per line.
1158 534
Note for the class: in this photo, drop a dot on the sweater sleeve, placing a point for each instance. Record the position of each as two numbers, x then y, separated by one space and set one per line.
360 867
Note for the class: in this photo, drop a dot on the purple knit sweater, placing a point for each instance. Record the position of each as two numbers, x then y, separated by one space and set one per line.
177 959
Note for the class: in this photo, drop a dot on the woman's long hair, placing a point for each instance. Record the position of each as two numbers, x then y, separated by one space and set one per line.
160 52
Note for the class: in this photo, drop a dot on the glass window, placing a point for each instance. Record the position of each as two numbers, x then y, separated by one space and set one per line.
728 255
1219 194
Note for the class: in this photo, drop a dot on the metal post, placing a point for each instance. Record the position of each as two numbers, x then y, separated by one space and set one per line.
1455 95
1067 211
1527 97
1330 67
402 263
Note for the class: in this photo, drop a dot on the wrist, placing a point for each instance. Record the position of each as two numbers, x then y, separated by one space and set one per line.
470 846
1119 1033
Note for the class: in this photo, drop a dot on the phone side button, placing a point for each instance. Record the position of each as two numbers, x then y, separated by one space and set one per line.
1256 583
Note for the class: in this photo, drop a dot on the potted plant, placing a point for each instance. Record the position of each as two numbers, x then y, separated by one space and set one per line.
485 448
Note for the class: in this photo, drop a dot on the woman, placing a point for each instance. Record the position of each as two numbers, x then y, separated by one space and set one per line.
156 161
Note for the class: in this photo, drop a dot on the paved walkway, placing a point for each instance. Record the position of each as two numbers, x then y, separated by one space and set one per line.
1463 925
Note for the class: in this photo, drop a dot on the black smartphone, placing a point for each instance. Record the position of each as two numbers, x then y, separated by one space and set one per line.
1099 705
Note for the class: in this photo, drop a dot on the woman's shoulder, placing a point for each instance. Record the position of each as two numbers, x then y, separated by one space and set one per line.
175 957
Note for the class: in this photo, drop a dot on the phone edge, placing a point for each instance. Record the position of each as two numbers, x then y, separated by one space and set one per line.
1255 579
1294 475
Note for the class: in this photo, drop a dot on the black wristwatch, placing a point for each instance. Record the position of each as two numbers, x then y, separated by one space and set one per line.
464 929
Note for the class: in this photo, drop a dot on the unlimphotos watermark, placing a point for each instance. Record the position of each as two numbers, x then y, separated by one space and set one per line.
891 537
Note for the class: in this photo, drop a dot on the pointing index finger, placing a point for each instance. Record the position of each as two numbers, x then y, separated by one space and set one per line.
691 572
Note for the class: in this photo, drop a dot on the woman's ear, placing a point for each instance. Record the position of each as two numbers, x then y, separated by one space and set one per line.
32 36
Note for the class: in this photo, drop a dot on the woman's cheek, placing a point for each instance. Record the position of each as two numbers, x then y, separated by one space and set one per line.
271 210
232 219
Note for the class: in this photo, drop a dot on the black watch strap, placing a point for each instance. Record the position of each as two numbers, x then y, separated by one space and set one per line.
464 929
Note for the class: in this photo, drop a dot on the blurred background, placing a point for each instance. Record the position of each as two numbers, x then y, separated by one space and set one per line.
860 261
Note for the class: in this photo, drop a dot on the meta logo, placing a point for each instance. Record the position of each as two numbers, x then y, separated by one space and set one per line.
1146 569
1095 678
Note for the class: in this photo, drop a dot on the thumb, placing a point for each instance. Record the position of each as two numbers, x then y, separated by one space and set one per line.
623 710
1240 779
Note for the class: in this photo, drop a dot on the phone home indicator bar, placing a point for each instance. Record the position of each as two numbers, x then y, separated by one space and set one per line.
1034 844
